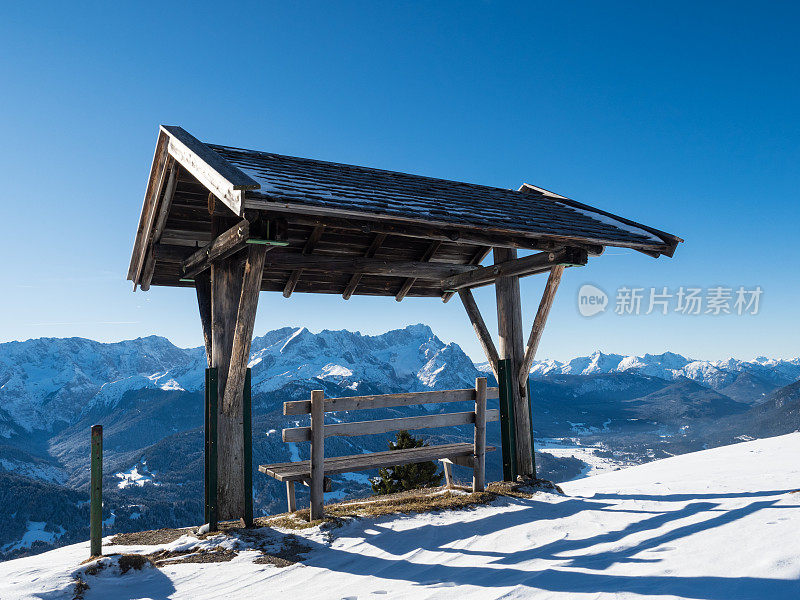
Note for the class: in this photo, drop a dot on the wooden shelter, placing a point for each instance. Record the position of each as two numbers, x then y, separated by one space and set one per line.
232 222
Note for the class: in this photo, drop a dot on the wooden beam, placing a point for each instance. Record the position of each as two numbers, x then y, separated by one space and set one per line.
538 323
158 227
479 438
479 325
377 242
365 266
224 245
408 283
509 326
151 194
476 260
516 267
311 243
303 407
226 181
202 285
245 321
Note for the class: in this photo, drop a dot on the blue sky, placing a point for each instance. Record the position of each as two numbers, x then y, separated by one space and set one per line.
683 116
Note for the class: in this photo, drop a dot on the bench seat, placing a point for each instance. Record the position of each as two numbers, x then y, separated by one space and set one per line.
298 471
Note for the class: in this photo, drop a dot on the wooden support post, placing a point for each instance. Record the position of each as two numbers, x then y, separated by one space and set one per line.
317 454
211 409
538 323
226 282
96 493
506 384
479 464
485 339
509 325
290 501
448 473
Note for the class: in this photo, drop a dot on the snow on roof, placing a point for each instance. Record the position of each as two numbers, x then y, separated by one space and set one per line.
529 210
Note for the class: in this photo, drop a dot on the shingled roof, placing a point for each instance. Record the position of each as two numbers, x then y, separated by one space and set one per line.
359 223
350 189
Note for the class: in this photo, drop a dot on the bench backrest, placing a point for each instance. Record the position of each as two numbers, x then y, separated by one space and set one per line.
302 407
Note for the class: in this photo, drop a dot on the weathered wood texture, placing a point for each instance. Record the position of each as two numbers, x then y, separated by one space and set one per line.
300 470
96 493
202 286
226 284
209 168
409 283
537 329
509 325
516 267
226 244
479 440
479 325
304 434
476 260
317 437
290 499
311 243
377 242
245 321
303 407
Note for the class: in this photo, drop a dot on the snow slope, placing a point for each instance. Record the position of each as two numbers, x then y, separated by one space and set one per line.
714 525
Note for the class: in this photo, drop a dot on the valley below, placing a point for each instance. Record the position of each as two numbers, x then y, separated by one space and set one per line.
591 415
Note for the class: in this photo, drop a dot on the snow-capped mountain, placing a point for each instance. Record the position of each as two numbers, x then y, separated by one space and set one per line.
670 366
47 383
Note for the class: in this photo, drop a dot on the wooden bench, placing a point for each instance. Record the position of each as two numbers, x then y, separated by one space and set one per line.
313 472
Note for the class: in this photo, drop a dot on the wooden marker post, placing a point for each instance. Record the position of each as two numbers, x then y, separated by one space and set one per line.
317 454
96 493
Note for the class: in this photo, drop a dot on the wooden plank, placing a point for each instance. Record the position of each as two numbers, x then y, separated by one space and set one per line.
479 440
298 471
408 283
479 325
96 492
152 193
516 267
202 285
303 407
158 228
539 321
448 474
317 436
226 181
509 325
311 243
224 245
476 260
366 266
377 241
303 434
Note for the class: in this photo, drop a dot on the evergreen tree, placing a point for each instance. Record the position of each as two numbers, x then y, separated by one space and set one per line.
406 477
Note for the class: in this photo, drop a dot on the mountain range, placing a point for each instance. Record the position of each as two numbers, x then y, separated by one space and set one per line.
148 395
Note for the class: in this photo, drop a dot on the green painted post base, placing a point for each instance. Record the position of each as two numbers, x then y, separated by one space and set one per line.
211 448
508 435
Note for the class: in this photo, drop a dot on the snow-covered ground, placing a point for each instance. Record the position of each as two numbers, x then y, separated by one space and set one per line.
721 524
565 448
